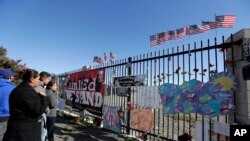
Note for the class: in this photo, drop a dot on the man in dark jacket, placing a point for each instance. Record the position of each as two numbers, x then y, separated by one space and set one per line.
6 76
44 80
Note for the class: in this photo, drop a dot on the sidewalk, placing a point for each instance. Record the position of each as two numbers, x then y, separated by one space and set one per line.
67 130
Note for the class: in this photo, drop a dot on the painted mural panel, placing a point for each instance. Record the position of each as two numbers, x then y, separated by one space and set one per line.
111 120
210 99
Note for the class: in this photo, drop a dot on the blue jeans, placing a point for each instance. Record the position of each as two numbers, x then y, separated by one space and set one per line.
43 127
3 127
50 127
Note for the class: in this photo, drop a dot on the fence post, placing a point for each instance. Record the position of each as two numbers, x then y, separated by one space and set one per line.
241 96
129 95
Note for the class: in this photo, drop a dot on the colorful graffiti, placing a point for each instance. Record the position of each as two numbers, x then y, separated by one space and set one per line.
211 99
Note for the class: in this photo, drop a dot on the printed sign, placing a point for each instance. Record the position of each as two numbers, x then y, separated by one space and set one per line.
122 91
125 81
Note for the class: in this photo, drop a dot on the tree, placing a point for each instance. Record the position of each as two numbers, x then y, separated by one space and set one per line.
15 65
3 51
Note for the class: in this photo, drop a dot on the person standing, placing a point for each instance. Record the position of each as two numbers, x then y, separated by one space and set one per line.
51 117
6 86
44 80
26 107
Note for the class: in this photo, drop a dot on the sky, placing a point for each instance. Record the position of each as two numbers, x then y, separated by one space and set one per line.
58 36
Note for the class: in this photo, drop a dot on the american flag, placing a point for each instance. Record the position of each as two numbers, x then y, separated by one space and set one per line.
170 35
95 59
226 21
105 57
101 60
166 38
207 25
112 55
111 61
153 40
181 32
195 29
98 59
161 38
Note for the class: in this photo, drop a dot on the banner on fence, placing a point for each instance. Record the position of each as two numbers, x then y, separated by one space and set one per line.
209 99
111 120
87 89
142 119
148 97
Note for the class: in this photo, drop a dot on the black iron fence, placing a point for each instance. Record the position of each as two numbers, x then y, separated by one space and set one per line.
175 65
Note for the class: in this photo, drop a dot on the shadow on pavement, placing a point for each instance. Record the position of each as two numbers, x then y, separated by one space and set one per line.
67 130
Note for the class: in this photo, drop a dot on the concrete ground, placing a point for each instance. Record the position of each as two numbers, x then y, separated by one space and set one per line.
67 130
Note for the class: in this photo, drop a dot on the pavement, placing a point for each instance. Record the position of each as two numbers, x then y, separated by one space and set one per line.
66 129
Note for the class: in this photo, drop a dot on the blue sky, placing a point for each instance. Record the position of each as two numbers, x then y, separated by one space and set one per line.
63 35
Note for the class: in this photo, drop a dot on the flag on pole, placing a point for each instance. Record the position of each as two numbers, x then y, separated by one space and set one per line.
101 60
111 61
112 55
98 59
95 59
153 40
105 57
161 38
171 35
195 29
207 25
166 37
181 32
226 21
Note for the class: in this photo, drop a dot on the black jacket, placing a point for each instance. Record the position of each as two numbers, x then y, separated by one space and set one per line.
26 107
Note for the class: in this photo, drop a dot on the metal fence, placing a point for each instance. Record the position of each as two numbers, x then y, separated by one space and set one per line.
173 65
176 65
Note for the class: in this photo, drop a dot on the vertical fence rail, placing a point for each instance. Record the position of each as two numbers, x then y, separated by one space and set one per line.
183 77
168 75
209 66
155 77
173 78
129 95
163 81
189 78
224 69
159 83
177 71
